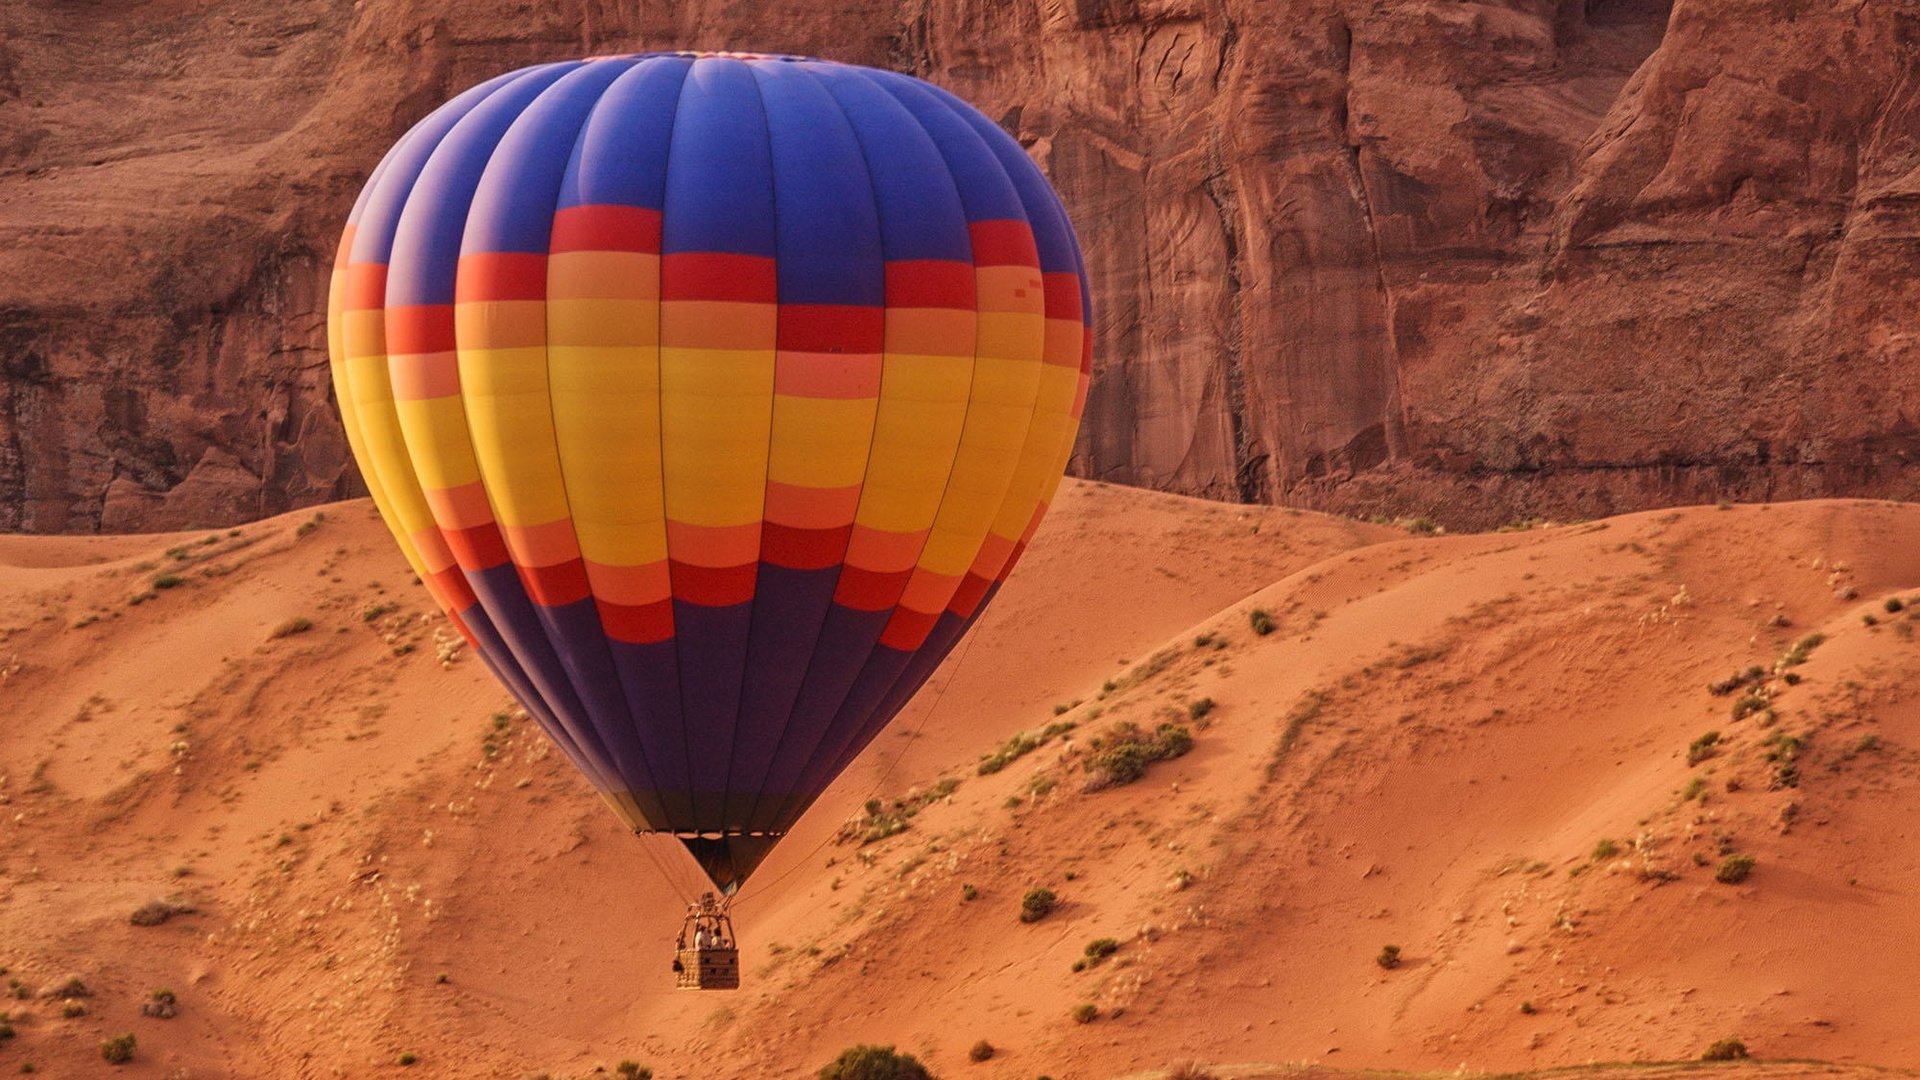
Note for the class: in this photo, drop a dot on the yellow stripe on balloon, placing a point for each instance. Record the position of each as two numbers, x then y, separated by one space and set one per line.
606 415
511 428
716 409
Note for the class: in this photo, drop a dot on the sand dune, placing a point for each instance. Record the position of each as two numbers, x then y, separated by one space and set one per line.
1428 750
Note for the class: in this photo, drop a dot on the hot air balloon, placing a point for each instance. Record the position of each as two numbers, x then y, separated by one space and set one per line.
712 396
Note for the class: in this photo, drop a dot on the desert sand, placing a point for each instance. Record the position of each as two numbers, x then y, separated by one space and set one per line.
1473 747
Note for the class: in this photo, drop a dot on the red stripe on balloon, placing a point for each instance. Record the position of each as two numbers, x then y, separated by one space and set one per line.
706 275
870 590
832 328
556 585
421 328
478 548
930 283
638 624
606 228
1003 243
803 549
713 586
500 275
1063 295
968 595
908 629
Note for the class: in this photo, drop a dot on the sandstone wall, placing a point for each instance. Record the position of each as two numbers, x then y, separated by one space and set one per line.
1471 260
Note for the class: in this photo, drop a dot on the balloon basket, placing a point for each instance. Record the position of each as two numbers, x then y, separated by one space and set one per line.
707 956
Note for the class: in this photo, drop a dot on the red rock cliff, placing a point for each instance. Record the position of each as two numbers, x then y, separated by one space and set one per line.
1472 260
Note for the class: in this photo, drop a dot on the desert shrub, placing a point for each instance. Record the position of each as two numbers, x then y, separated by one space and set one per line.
6 1027
1696 789
168 581
1737 680
1261 622
1604 850
1734 869
1703 747
118 1050
407 1057
155 912
73 1009
296 625
1801 650
1096 953
1121 754
865 1062
1020 745
1389 957
633 1070
1725 1050
968 892
1747 704
1527 1008
980 1051
1037 905
1894 605
1198 710
72 988
882 819
1085 1013
1189 1070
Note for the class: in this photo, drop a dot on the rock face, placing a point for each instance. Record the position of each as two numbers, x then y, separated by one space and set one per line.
1471 260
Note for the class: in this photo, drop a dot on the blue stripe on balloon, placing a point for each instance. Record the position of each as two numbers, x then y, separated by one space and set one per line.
426 247
921 216
828 233
985 191
719 176
377 213
513 206
620 158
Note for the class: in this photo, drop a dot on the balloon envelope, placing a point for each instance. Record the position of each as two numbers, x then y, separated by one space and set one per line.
712 396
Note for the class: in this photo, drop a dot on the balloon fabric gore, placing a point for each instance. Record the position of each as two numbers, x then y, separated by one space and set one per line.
712 396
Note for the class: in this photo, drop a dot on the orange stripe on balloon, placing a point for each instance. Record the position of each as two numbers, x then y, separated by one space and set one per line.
932 331
603 275
462 507
633 586
549 543
992 555
366 286
424 376
827 375
885 552
501 324
717 324
1062 342
928 591
811 507
713 546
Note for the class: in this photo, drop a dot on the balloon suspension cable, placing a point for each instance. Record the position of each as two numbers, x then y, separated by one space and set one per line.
959 661
667 874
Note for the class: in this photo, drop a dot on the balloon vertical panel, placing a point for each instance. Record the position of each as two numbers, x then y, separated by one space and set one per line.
712 396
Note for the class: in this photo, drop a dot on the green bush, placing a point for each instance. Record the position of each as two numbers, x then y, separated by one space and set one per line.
1703 747
1389 957
118 1050
1037 905
633 1070
980 1051
1122 753
1085 1013
1604 850
1261 622
1726 1050
865 1062
1734 869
